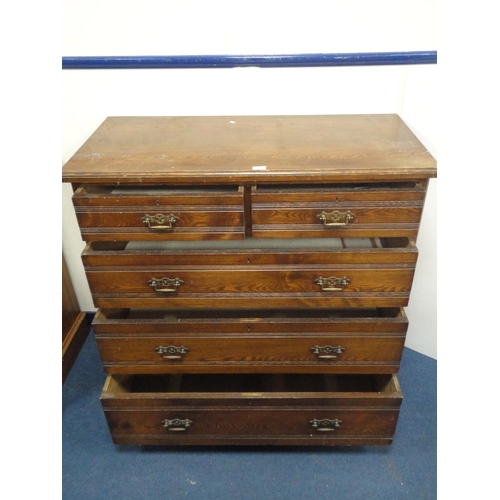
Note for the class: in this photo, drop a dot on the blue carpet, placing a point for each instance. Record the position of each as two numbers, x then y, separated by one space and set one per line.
95 468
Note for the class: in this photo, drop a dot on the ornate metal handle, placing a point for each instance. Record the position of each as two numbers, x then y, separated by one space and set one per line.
332 284
165 282
336 218
161 220
327 351
176 424
171 351
326 425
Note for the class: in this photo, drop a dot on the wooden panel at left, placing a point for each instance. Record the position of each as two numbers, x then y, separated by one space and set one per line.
75 326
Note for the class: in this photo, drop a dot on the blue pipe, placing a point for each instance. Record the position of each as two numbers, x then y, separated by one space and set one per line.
262 61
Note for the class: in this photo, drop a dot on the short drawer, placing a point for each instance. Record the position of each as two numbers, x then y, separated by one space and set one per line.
345 210
252 409
159 213
334 274
136 341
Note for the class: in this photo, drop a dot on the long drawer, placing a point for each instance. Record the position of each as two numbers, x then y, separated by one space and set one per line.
252 409
337 210
159 213
247 341
334 274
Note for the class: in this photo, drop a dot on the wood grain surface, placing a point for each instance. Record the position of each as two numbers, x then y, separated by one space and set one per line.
249 149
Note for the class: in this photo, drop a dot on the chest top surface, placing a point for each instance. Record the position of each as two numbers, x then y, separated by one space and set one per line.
250 149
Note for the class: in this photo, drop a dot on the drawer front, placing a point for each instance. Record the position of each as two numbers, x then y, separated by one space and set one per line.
307 354
252 426
159 214
332 415
169 281
364 210
380 277
304 341
172 287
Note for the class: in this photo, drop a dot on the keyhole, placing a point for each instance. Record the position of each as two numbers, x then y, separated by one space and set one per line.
248 261
157 203
248 328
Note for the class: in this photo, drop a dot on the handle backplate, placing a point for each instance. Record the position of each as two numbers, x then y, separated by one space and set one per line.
326 424
332 284
160 222
165 284
171 351
336 218
327 351
177 424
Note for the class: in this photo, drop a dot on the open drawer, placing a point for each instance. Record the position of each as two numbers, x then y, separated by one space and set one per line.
390 209
116 213
137 341
334 272
252 409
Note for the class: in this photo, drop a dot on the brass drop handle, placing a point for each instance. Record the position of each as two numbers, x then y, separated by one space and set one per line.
176 424
327 351
164 221
336 218
171 351
332 284
326 425
168 284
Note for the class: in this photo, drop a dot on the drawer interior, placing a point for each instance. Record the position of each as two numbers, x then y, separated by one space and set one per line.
251 383
246 315
348 186
264 244
157 190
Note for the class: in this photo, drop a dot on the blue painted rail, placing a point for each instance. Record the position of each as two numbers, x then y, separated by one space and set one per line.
261 61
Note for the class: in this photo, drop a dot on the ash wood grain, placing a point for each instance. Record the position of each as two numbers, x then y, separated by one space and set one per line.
135 439
231 354
350 390
122 225
250 341
339 193
368 410
403 252
192 323
292 212
290 231
206 150
246 309
190 217
159 196
262 301
249 281
362 215
107 214
379 277
254 422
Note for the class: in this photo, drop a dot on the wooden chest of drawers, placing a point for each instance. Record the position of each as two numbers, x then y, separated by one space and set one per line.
252 409
251 274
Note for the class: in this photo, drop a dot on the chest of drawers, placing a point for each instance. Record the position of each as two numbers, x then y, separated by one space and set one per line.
251 274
